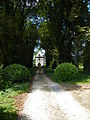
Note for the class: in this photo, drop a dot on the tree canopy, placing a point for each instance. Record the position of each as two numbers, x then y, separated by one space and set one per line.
62 26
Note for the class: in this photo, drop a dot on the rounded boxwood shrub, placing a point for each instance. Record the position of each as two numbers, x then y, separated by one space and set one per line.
16 73
66 72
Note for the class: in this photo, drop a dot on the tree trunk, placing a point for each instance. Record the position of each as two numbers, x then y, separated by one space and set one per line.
48 58
87 58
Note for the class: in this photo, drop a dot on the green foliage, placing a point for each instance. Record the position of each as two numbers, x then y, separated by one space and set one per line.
7 114
55 58
59 24
8 111
84 78
3 84
87 67
1 81
66 72
87 58
30 41
46 41
18 35
49 72
63 20
53 64
16 73
1 72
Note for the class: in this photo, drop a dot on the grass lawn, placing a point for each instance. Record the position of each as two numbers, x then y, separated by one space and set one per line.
84 77
8 110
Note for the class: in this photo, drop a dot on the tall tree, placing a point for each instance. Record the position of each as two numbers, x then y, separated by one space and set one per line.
87 54
62 18
46 42
14 15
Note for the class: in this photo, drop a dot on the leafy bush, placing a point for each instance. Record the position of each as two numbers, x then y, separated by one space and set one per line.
87 67
1 77
66 72
53 64
6 114
0 72
8 106
16 73
2 82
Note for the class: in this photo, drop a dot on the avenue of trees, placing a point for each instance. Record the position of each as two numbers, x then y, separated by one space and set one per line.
62 26
18 34
65 32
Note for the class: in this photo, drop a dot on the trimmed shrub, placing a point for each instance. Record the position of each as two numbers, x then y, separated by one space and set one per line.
16 73
66 72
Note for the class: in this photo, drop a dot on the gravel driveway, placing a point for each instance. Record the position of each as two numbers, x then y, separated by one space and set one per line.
48 101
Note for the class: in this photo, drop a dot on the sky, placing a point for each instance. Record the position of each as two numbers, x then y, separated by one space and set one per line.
89 7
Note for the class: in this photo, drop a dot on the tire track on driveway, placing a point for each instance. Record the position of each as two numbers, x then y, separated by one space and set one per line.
48 101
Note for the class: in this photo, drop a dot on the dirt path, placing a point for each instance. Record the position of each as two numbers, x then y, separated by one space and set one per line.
48 101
